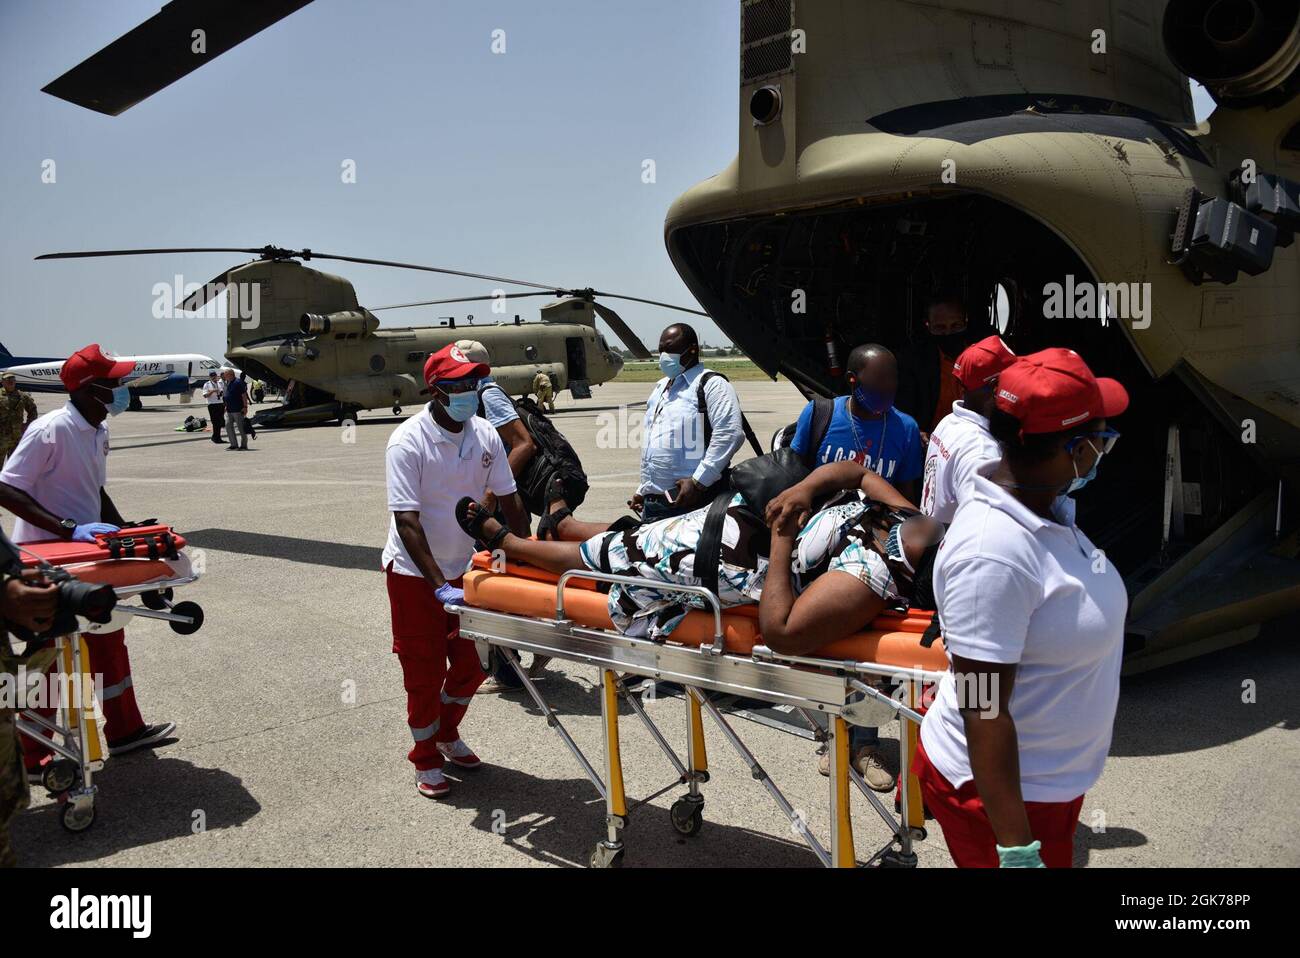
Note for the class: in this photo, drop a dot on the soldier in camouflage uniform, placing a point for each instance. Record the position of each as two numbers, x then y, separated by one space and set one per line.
30 604
16 413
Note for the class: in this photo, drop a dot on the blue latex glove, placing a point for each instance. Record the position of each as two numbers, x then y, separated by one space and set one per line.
448 594
87 530
1021 856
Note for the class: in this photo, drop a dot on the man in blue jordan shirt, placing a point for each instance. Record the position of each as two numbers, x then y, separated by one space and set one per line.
866 427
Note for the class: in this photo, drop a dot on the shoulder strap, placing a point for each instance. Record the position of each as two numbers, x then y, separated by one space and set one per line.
708 552
823 413
703 407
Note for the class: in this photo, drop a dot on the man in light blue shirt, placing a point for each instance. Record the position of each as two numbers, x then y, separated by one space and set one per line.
684 453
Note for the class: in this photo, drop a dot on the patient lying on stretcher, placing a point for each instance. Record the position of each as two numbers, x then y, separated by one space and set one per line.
850 558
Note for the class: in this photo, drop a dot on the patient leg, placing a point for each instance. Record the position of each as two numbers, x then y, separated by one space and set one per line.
552 556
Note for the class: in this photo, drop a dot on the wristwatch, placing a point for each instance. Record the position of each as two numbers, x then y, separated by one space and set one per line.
69 526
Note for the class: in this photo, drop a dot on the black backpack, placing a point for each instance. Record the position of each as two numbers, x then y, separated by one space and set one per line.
823 412
555 459
703 407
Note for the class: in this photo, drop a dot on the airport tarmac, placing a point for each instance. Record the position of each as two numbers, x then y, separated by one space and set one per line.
292 735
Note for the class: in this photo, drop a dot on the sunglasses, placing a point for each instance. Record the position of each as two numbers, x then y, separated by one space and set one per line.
452 386
1108 438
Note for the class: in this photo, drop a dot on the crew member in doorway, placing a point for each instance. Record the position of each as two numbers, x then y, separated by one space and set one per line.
926 387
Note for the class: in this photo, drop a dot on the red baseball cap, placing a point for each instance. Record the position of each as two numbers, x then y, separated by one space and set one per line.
450 362
1052 390
92 363
979 364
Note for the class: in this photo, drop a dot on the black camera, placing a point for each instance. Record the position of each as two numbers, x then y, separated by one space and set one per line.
76 598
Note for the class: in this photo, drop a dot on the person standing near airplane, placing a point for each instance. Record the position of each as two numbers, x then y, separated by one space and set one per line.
63 460
214 394
17 412
235 396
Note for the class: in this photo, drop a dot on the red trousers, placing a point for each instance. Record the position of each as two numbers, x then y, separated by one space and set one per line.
966 829
426 639
109 660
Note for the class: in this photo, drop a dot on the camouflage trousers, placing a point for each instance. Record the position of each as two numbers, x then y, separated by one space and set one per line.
7 446
13 783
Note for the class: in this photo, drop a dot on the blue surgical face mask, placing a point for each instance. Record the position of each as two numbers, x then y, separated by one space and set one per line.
872 401
670 364
462 406
121 401
1078 482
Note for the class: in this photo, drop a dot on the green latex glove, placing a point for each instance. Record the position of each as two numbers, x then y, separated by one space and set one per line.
1023 856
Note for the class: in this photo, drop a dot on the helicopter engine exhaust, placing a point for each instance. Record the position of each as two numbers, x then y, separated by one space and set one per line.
1239 49
348 322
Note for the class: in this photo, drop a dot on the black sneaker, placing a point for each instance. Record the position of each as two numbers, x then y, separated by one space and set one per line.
149 736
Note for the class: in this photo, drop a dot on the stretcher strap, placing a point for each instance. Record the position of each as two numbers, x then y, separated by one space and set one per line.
709 550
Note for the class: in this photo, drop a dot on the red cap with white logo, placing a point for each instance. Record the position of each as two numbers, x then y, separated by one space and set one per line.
978 365
92 363
1052 390
450 362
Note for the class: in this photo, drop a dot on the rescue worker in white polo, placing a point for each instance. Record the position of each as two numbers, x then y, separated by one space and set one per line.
434 459
54 484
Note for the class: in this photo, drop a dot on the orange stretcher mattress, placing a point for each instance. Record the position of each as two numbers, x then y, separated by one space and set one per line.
522 590
95 562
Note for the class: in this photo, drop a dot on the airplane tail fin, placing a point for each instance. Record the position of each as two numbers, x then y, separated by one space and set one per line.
4 352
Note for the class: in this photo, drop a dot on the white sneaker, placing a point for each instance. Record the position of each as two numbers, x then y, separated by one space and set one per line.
459 754
431 784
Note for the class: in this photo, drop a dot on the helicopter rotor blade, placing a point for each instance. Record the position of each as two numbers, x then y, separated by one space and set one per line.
199 298
158 52
85 254
462 299
622 330
651 302
309 254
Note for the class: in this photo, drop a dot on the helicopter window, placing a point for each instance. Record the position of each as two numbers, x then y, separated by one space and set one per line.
416 357
377 363
1002 306
530 352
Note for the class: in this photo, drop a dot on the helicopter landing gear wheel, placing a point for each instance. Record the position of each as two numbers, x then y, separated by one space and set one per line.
397 409
687 816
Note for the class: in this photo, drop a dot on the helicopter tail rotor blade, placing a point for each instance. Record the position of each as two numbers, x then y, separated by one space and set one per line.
622 330
160 51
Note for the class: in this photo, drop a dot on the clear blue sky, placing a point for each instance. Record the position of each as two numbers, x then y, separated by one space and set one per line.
526 164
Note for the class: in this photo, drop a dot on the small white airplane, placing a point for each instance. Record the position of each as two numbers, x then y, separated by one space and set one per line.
169 374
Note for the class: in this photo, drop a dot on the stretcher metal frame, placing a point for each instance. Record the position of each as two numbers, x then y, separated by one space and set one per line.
76 745
837 688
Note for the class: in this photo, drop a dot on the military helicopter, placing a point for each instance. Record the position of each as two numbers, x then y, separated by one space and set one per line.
303 331
1044 160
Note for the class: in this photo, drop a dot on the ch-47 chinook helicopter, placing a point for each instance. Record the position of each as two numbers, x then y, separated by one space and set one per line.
298 327
1035 153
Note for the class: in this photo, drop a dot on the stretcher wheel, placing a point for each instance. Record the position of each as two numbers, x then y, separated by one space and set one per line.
157 600
606 857
687 816
194 611
59 776
74 820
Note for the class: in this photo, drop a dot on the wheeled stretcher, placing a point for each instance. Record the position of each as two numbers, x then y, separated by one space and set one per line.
522 609
148 562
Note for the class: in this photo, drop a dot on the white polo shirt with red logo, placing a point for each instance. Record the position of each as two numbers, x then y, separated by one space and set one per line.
62 463
429 470
1013 587
959 445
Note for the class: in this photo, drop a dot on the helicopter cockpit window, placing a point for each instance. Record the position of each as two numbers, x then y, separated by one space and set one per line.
530 352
